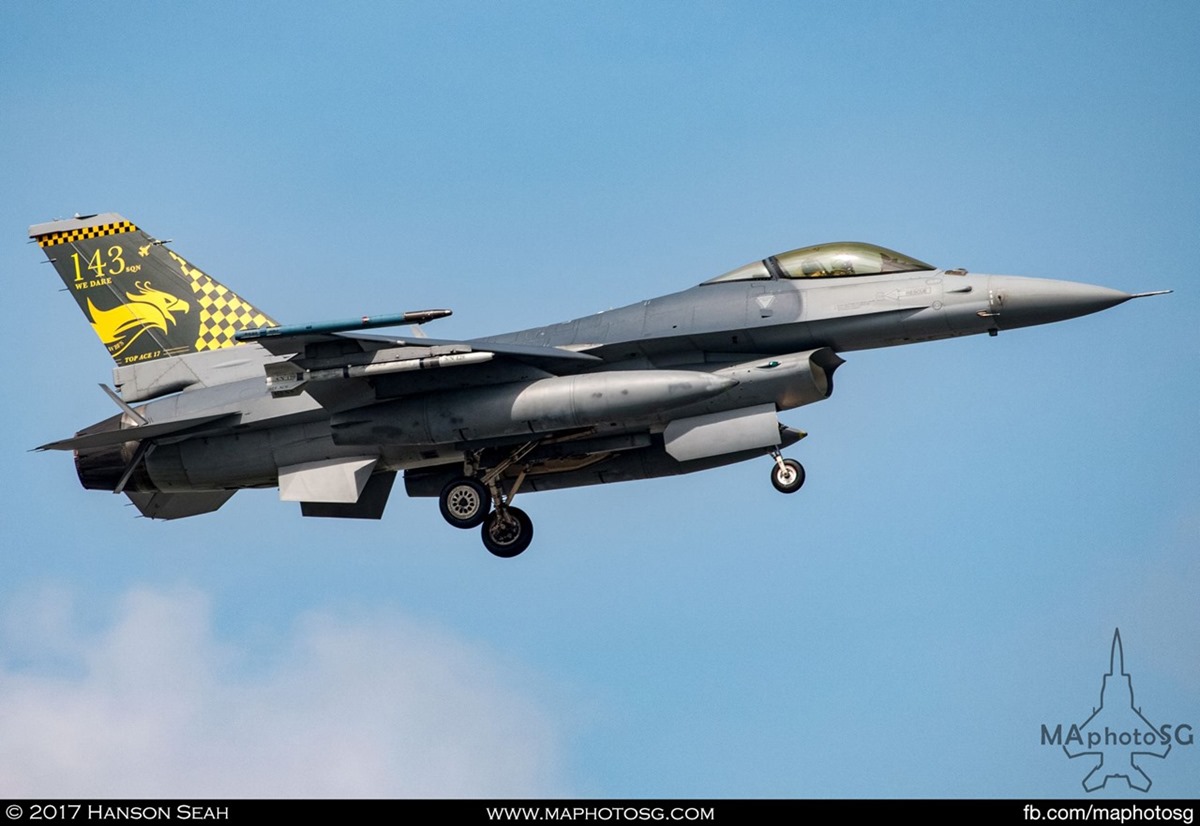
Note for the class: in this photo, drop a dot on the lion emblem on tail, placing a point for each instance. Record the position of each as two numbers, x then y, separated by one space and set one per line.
121 326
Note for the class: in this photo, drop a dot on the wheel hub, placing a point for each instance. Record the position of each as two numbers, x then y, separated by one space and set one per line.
505 529
463 502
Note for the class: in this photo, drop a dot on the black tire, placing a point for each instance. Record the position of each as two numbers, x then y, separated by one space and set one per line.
464 503
789 478
507 532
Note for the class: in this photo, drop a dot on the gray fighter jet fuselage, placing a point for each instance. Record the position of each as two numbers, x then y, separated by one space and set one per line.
229 399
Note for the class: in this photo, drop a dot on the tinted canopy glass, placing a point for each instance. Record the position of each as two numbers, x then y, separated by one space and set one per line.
843 259
746 272
840 260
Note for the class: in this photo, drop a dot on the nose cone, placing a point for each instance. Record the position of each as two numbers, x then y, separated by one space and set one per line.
1021 302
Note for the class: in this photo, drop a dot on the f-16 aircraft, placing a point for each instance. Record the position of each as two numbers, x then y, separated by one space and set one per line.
214 395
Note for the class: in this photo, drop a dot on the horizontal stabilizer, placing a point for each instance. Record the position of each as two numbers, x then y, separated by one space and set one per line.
179 427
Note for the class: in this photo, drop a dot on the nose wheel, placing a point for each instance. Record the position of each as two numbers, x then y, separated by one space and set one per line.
788 475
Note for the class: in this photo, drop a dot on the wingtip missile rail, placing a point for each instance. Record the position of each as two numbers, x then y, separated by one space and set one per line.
367 322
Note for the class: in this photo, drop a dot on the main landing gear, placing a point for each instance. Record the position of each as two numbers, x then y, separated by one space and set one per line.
467 502
507 532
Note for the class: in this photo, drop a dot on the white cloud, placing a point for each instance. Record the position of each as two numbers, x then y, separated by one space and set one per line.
154 705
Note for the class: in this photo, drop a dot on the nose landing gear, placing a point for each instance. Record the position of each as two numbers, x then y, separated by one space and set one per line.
788 475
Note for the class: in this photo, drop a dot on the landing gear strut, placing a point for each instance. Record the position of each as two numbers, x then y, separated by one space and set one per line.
465 503
788 475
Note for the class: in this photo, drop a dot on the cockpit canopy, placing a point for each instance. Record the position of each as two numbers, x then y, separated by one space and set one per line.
839 260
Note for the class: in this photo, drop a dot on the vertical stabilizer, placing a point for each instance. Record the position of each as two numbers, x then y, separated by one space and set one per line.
144 301
1116 658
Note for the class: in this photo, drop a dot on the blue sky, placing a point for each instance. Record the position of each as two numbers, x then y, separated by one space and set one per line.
979 514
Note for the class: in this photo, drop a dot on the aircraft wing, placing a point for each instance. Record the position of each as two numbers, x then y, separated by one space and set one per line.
551 359
342 370
341 367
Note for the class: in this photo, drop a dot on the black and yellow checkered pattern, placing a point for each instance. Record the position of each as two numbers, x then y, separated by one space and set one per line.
222 312
100 230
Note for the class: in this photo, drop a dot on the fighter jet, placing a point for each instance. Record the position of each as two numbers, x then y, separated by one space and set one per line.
214 395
